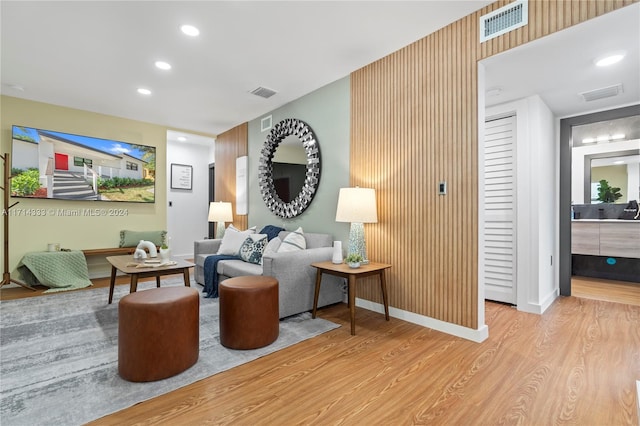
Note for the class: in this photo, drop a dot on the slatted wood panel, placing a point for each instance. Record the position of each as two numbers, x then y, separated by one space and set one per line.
499 210
229 146
414 122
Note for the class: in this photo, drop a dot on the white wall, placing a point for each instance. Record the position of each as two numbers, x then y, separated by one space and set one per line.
543 183
187 210
536 202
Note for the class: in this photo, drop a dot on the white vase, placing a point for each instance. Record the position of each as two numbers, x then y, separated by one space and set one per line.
165 254
337 252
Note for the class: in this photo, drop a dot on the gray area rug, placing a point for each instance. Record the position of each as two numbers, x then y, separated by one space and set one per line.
59 356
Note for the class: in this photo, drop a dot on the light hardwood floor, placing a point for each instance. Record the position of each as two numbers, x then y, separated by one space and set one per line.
576 364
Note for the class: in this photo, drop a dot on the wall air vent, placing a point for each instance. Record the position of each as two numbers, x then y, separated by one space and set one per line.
263 92
604 92
501 21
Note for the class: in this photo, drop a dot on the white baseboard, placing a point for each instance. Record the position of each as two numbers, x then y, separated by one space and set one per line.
539 308
638 398
477 336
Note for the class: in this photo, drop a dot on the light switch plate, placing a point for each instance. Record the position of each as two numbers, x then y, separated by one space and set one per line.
442 187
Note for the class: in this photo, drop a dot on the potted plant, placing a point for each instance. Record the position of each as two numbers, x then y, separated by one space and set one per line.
353 260
606 193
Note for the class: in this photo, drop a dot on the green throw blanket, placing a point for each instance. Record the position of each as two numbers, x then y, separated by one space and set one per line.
59 270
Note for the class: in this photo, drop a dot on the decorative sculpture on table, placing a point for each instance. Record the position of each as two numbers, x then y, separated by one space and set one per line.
140 252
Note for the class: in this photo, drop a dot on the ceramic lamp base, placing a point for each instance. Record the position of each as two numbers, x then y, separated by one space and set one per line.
219 230
357 243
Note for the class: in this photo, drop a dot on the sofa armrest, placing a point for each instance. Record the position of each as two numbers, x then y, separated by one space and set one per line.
206 247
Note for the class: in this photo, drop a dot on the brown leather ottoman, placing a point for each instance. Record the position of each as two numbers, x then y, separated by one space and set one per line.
158 333
249 313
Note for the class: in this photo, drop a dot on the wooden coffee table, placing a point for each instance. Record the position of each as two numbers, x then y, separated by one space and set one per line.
342 270
123 264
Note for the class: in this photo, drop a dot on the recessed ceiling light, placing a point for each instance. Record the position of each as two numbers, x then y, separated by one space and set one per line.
190 30
588 140
163 65
618 136
143 91
182 139
609 60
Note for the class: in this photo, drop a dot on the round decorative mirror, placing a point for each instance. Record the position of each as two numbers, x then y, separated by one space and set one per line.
281 169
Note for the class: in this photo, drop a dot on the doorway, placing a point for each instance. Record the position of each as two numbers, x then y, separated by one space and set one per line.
212 195
549 67
567 126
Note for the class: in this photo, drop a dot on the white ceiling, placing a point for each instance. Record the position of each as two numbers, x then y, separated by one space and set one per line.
560 66
94 55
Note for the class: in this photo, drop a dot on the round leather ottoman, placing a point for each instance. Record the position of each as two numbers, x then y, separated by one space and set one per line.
249 313
158 333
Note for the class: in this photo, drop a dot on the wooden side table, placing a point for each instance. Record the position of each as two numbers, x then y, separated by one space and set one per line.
343 270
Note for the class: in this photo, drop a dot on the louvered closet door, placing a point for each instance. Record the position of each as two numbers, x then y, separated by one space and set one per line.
499 214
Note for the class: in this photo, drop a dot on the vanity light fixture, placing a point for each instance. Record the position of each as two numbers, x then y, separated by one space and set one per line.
602 138
588 140
144 91
163 65
190 30
609 60
618 136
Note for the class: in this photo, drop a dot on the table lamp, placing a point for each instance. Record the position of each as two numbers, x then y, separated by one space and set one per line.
358 206
220 212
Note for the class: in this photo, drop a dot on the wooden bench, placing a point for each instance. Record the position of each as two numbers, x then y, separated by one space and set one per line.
109 251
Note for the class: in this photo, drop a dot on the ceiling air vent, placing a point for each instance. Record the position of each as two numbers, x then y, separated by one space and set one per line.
501 21
263 92
604 92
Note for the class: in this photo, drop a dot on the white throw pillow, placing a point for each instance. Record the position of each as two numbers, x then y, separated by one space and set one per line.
293 242
272 246
232 240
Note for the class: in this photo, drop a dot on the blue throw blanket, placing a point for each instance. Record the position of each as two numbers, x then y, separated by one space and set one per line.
211 273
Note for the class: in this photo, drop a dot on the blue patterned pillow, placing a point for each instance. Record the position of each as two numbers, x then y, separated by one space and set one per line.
252 248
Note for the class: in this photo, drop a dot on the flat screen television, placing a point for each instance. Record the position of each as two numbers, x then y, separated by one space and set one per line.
54 165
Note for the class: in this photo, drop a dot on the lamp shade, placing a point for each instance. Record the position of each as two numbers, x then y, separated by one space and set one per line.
220 212
357 205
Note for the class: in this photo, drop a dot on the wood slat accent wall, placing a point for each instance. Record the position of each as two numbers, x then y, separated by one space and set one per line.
230 145
414 122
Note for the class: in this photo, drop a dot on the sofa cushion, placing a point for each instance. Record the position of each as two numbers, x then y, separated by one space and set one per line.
313 240
237 267
293 242
252 248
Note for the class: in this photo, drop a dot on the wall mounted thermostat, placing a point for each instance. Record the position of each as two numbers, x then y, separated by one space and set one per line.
442 188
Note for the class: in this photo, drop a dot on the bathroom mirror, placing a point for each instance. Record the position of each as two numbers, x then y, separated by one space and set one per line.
289 168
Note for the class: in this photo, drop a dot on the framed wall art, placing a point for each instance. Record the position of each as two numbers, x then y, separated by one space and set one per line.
181 176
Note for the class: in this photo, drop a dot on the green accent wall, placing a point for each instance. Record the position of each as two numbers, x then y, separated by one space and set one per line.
326 111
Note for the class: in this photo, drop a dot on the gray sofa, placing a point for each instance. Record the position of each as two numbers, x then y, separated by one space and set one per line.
296 277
